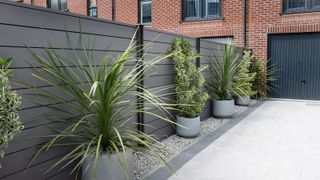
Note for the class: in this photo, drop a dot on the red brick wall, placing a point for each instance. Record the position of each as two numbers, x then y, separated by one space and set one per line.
167 14
42 3
105 9
78 6
126 11
265 17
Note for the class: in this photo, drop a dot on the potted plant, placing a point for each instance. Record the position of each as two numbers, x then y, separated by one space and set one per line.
242 80
10 102
222 69
188 83
265 76
95 106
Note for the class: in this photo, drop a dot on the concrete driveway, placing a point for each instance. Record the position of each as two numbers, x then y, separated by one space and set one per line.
278 141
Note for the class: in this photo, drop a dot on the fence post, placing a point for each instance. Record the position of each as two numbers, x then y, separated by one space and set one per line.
140 52
198 52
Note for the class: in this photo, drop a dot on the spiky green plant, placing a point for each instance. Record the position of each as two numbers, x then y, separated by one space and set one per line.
96 104
222 70
265 77
9 103
243 78
188 81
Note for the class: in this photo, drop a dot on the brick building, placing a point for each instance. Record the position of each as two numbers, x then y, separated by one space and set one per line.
218 20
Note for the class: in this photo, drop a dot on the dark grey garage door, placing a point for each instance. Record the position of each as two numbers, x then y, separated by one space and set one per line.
298 57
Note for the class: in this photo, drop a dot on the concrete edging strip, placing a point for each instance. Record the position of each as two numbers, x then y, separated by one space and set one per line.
178 161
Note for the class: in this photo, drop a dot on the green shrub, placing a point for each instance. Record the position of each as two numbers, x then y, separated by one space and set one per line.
243 78
222 70
188 81
10 102
265 76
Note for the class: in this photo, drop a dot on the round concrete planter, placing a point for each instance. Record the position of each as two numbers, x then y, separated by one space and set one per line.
223 109
108 167
243 100
191 127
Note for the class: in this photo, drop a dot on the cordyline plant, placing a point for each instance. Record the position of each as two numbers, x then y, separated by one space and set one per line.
188 81
243 78
9 103
97 104
265 77
222 70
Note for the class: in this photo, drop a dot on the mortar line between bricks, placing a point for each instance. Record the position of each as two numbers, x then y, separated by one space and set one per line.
178 161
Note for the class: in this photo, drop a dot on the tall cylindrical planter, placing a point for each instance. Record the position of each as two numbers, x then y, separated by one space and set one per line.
191 127
223 108
243 100
108 167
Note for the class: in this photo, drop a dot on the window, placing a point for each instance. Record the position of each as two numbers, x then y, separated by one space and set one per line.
301 5
145 12
58 5
192 8
315 4
92 8
213 8
201 9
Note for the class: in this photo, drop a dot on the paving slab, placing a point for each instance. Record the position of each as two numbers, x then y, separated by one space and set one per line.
280 140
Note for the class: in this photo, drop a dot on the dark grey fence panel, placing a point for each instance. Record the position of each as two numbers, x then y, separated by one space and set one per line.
209 51
24 26
164 74
152 35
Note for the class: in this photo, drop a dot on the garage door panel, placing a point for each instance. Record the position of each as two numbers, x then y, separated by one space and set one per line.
298 57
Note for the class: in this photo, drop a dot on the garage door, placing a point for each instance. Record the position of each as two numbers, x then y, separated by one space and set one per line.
298 57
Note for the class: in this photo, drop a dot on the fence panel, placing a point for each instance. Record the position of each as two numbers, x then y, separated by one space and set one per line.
24 26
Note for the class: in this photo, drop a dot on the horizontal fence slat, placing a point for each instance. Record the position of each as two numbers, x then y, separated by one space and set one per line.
31 37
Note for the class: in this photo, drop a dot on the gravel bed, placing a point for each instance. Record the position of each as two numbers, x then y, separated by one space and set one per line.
145 163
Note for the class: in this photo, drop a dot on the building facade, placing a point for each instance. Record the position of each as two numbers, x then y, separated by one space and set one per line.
246 23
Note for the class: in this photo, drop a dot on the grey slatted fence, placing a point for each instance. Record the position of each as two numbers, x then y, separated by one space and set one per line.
23 26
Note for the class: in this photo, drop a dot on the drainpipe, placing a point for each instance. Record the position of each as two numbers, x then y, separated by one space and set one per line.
113 10
244 23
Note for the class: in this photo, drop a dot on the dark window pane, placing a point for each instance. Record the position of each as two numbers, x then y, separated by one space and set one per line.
146 11
296 4
63 5
315 3
192 8
54 4
213 7
58 4
93 8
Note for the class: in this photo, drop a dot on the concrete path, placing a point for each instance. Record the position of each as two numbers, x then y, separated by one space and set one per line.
279 141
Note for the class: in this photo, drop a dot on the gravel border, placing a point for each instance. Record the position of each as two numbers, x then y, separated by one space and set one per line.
145 164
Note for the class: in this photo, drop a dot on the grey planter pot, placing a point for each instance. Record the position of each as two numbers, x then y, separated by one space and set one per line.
108 167
191 127
223 109
243 100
